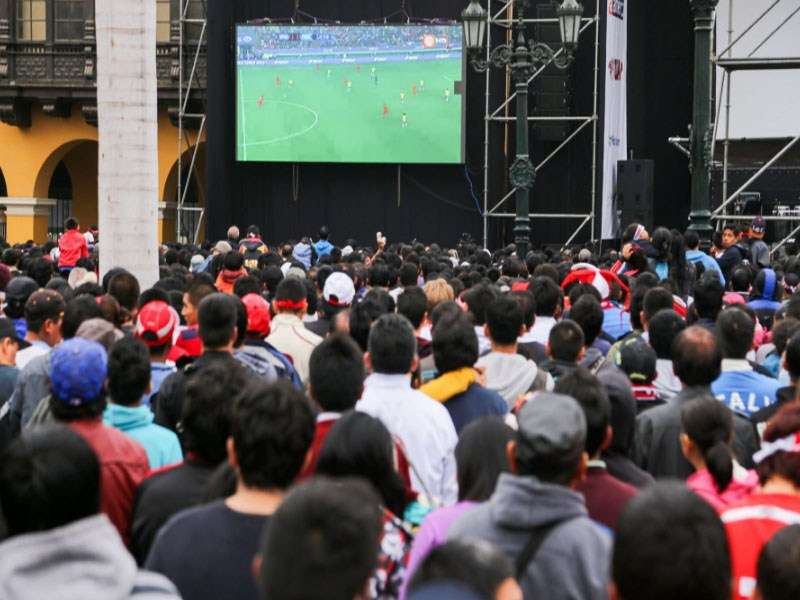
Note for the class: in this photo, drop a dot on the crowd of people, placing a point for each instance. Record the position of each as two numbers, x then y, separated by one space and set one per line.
323 419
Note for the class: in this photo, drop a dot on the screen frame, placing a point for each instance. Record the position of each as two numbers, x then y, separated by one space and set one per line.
462 94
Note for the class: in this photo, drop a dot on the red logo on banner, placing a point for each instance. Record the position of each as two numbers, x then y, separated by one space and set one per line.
616 8
429 41
615 69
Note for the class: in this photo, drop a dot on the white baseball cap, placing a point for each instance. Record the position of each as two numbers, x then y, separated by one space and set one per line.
339 290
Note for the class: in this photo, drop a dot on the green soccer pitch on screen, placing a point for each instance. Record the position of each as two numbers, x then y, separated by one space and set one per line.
350 94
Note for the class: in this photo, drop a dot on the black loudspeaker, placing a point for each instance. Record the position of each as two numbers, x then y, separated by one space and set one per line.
551 91
635 180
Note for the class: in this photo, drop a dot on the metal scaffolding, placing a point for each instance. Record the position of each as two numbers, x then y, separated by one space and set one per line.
503 17
189 51
726 61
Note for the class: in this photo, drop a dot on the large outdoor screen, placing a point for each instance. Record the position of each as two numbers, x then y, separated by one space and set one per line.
341 94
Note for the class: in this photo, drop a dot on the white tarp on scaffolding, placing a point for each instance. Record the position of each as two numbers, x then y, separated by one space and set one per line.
615 147
128 134
763 103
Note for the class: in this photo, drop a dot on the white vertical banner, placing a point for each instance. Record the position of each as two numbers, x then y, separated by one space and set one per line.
615 140
127 115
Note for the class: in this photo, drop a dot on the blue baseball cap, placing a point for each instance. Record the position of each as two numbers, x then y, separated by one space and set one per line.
78 369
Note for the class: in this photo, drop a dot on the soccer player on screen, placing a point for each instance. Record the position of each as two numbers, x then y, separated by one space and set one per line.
414 89
421 85
447 95
349 86
385 110
260 101
278 82
404 121
402 97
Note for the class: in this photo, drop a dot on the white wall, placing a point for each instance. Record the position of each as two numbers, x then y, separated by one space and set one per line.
128 132
764 104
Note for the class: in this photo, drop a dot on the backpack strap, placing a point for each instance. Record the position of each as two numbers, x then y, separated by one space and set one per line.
537 538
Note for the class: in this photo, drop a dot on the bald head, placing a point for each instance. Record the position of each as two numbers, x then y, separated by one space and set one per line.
233 232
696 358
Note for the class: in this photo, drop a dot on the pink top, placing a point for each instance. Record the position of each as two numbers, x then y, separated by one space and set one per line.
433 533
743 484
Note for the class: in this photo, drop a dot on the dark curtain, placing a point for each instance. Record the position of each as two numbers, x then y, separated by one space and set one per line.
434 203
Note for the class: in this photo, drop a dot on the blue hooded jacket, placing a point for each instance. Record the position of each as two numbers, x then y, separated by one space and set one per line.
161 444
323 248
302 253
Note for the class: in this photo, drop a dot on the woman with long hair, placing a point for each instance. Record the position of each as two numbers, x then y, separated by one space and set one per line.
480 459
706 444
359 445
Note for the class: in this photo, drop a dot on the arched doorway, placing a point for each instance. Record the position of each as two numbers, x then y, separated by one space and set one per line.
69 176
60 190
194 201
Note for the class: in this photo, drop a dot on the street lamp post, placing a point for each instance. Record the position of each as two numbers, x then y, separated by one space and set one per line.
700 215
522 58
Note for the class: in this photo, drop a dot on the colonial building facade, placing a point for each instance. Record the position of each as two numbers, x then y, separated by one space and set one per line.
48 114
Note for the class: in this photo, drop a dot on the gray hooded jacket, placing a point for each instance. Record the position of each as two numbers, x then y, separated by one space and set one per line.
84 560
573 562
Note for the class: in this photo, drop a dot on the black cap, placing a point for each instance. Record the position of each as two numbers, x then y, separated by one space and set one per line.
8 330
637 359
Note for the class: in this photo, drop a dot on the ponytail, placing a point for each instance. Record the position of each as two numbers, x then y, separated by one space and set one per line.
719 463
709 425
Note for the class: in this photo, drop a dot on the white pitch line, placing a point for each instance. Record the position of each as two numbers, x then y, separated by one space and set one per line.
292 135
244 118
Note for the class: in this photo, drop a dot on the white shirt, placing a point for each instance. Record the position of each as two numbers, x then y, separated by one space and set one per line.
25 356
484 343
540 332
423 426
290 336
667 383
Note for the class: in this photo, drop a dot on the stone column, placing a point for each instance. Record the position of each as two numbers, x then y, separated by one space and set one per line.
128 131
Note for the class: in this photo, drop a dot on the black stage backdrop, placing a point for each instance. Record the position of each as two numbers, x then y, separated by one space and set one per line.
436 203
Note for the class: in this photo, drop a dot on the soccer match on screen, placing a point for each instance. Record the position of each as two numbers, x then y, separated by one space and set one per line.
353 94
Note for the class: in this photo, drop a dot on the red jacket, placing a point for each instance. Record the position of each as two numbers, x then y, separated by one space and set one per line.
750 524
606 496
123 466
72 247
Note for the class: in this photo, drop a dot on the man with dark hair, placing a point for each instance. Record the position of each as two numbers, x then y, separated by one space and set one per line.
606 496
778 575
535 515
413 305
335 384
189 338
565 348
455 352
33 383
207 552
422 425
217 328
72 246
322 542
44 310
252 247
124 287
742 389
478 298
790 361
50 490
77 383
734 250
526 345
662 329
128 381
479 566
696 256
206 426
507 371
287 332
708 292
549 300
670 544
697 362
232 270
741 281
323 247
588 314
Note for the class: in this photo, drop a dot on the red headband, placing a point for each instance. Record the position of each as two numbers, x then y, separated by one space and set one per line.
290 305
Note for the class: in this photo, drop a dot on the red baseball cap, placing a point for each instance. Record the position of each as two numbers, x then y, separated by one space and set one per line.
156 323
258 316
